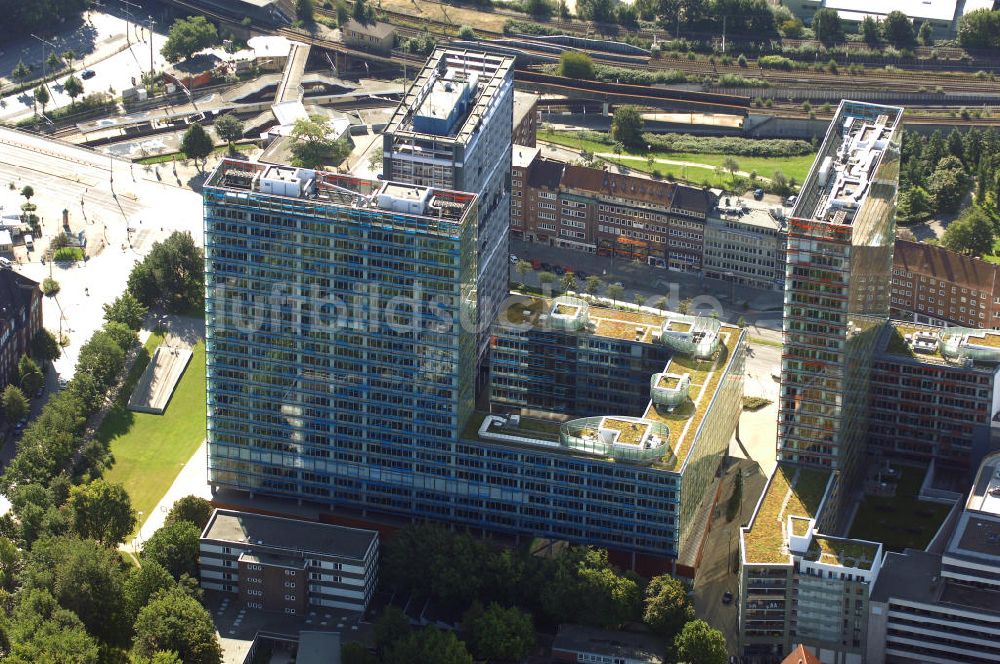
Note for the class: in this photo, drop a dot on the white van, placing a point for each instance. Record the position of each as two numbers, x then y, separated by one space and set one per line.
29 243
5 263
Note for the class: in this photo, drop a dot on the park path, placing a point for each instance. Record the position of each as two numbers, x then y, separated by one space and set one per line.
672 162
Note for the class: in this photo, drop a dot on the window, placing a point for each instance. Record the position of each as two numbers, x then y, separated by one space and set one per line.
289 584
289 598
290 611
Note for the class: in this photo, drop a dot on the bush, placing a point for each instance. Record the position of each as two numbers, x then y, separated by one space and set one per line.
638 76
467 33
775 62
68 255
512 27
742 60
755 403
50 287
737 81
731 145
573 64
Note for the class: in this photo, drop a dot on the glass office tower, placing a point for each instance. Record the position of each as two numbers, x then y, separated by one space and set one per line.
840 242
340 334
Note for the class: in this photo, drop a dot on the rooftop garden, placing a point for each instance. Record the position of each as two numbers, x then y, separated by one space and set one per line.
523 310
629 433
529 428
901 521
800 526
668 382
766 540
897 341
678 326
704 373
566 310
616 329
989 339
842 552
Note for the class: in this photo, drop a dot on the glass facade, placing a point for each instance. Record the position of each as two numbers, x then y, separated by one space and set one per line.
837 287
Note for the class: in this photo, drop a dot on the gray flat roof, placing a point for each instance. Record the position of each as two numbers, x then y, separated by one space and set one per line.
915 576
290 534
318 648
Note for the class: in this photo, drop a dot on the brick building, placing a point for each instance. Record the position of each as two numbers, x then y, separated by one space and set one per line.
288 565
589 209
20 320
936 286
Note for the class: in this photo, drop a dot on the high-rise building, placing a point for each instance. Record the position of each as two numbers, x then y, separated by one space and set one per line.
453 130
837 288
340 333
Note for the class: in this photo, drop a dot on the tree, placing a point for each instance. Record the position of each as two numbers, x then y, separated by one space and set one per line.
102 358
615 291
601 11
42 97
948 184
627 16
175 621
827 27
780 184
573 64
546 279
40 630
127 310
69 55
172 272
175 547
27 191
538 8
343 15
73 87
29 375
639 299
593 284
101 511
229 128
467 33
53 61
187 36
700 644
497 634
15 404
978 29
666 607
354 652
362 13
304 11
568 281
192 509
522 268
393 626
376 158
898 29
197 144
311 147
84 577
143 583
584 588
869 31
926 34
125 337
731 165
20 73
626 126
428 646
972 233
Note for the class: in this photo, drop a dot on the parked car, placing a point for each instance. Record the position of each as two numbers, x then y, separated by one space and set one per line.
546 267
790 201
536 264
87 74
63 382
727 597
758 194
5 263
581 275
513 259
559 269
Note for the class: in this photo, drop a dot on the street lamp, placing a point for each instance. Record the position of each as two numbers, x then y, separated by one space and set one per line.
44 44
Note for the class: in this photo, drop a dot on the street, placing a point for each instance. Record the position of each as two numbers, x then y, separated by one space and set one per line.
100 45
66 177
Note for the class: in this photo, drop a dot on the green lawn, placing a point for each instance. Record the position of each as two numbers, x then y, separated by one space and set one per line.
901 521
150 450
793 167
180 156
